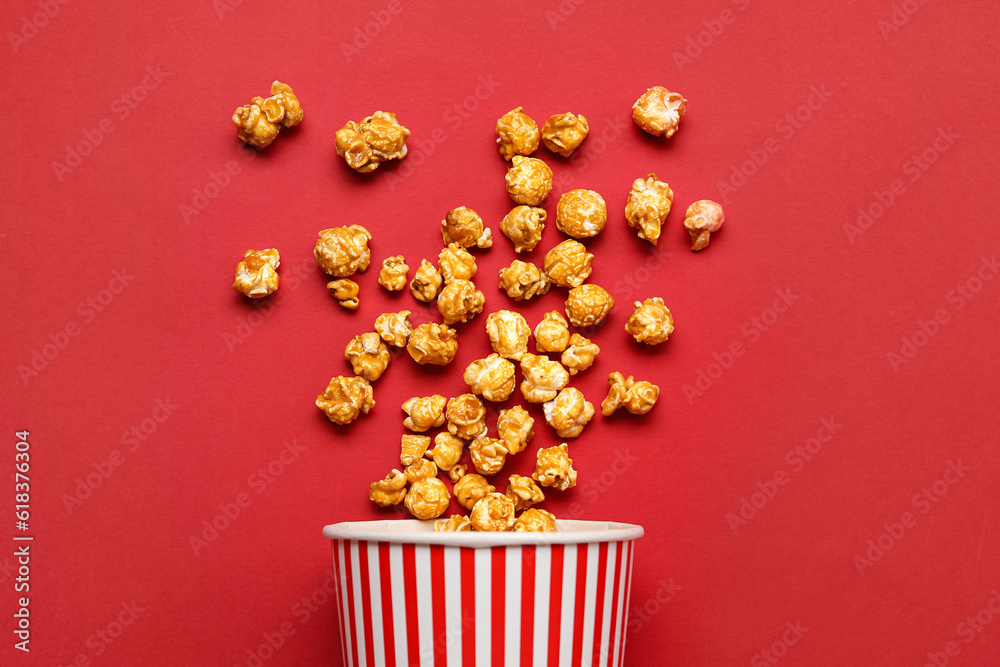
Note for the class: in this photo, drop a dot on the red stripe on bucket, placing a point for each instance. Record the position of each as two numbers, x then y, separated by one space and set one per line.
581 598
410 596
527 604
440 618
385 583
350 602
469 620
613 629
366 602
602 578
499 610
337 548
555 603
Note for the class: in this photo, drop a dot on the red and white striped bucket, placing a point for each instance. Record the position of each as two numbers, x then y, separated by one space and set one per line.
410 596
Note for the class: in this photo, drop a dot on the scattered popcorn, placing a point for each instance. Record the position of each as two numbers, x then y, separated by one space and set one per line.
257 274
580 354
420 470
460 301
702 218
543 378
343 251
651 323
488 455
517 134
412 448
516 428
431 343
394 328
374 140
581 214
462 225
552 333
536 521
524 492
637 397
568 264
563 133
388 491
426 282
523 226
658 111
492 378
345 398
258 123
424 413
529 180
554 468
466 417
456 263
509 333
647 207
393 273
588 305
522 281
345 292
447 451
458 472
454 523
427 499
471 488
368 356
493 512
568 412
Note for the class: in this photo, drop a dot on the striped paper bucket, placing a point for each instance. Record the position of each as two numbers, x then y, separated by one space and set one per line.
410 596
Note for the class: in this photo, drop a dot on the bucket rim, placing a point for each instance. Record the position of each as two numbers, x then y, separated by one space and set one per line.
413 531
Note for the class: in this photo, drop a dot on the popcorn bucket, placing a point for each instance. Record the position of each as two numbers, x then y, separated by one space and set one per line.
411 596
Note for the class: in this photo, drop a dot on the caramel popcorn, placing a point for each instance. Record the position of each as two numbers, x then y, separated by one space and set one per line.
257 274
394 328
367 355
581 214
393 273
488 455
651 323
427 499
494 512
462 225
345 398
460 301
420 470
637 397
426 282
522 281
516 428
554 467
388 491
568 264
454 523
647 207
345 292
258 123
523 226
458 472
435 344
509 333
447 451
456 263
524 492
588 305
568 412
564 132
543 378
529 180
343 251
471 488
702 218
580 354
492 377
552 333
535 520
412 448
659 111
517 134
466 417
424 413
374 140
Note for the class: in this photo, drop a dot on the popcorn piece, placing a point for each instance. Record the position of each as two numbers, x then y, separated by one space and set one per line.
458 472
412 448
368 356
462 225
568 412
257 274
659 111
393 273
420 470
543 378
345 398
647 207
460 301
580 354
509 333
588 305
258 123
564 132
424 413
345 292
488 455
432 343
388 491
517 134
552 333
374 140
529 180
554 467
466 417
581 213
651 323
447 451
523 226
522 281
471 488
492 377
568 264
427 499
524 492
456 263
535 520
454 523
516 428
494 512
702 218
637 397
343 251
426 282
394 328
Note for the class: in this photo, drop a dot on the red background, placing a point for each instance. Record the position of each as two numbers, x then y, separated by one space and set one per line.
694 459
